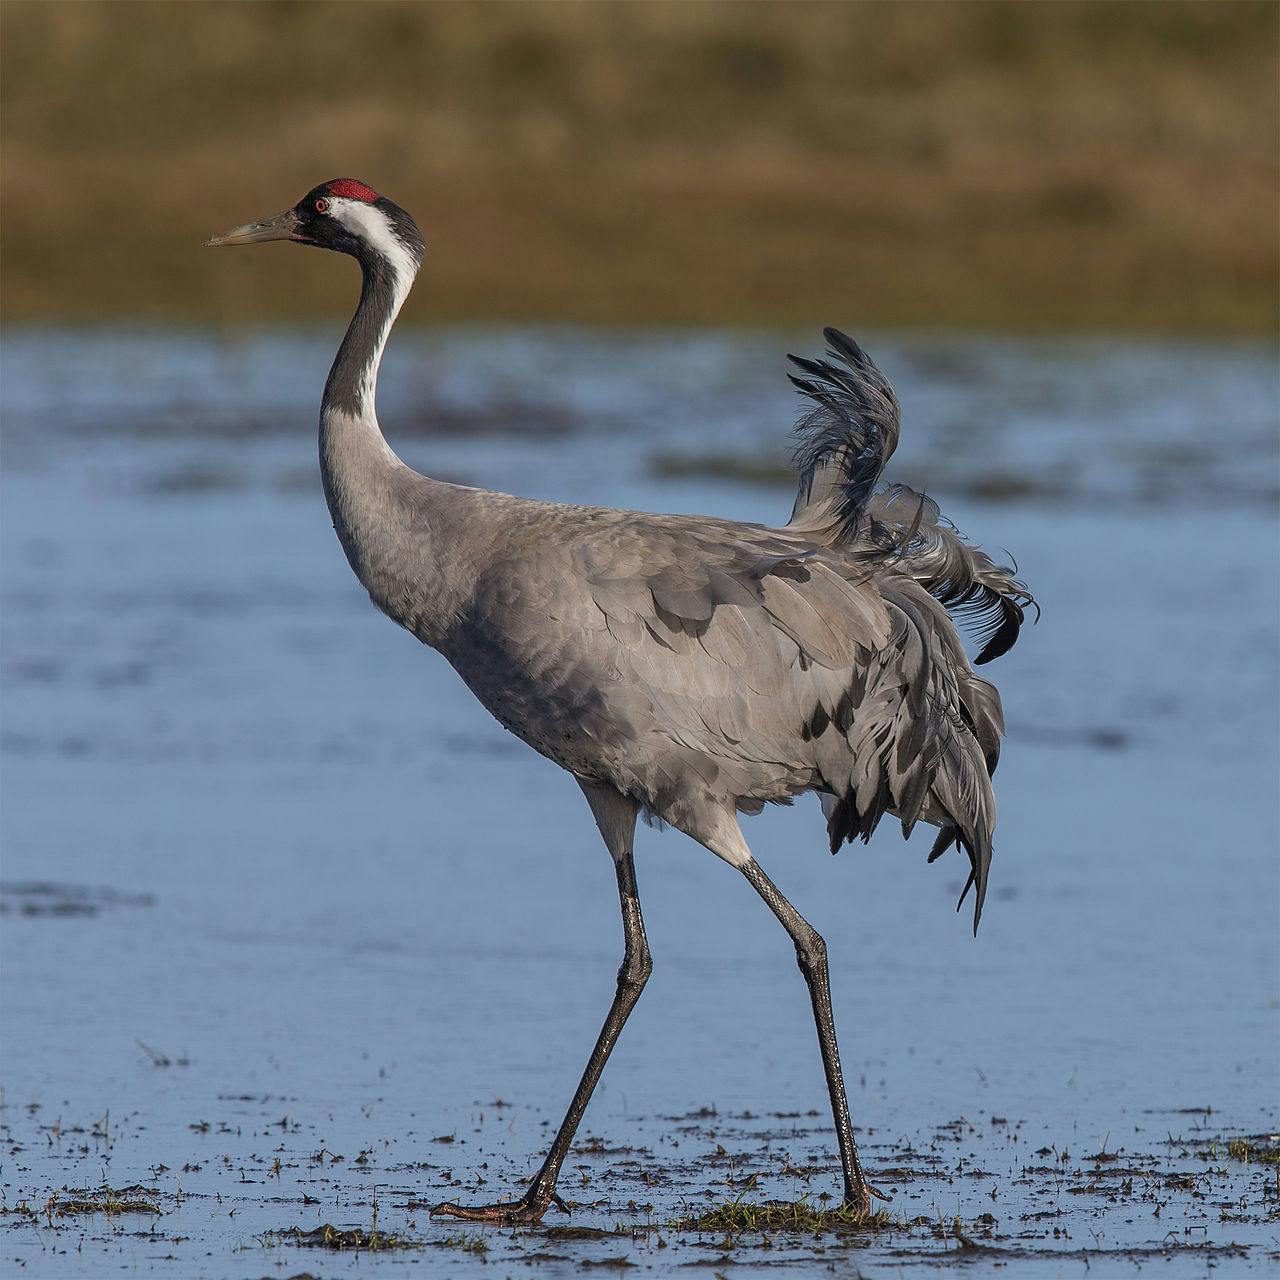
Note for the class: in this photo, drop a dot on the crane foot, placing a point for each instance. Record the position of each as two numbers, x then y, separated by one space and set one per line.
525 1212
859 1199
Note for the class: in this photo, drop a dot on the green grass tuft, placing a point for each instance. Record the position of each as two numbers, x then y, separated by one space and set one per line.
1251 1152
736 1217
465 1243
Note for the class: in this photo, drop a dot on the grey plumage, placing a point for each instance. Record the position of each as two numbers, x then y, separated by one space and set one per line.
683 666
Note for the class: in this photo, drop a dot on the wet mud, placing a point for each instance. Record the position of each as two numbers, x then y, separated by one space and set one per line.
712 1190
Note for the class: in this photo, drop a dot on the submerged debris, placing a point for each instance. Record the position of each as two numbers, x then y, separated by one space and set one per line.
330 1237
45 898
108 1200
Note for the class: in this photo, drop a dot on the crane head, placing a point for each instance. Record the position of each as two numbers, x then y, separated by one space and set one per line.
344 215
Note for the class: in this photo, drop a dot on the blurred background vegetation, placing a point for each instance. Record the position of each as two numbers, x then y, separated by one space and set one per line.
1023 166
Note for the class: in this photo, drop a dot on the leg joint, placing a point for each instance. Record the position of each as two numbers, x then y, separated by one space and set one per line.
635 970
811 951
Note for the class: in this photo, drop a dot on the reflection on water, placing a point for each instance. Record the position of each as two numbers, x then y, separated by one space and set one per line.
253 828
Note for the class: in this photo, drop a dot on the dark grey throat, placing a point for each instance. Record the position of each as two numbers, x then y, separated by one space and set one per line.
352 378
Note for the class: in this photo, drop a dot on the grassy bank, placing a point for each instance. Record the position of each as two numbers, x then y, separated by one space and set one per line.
1019 166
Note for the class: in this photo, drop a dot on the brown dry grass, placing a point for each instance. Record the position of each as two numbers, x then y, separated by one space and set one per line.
1006 165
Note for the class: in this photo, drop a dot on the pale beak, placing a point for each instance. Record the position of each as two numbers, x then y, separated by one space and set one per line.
283 226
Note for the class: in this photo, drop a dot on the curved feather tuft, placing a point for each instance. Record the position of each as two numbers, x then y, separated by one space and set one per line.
850 432
842 445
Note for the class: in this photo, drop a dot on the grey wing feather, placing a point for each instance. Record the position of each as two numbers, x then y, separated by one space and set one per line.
804 671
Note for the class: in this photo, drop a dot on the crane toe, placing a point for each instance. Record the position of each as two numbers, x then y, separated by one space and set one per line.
525 1212
860 1198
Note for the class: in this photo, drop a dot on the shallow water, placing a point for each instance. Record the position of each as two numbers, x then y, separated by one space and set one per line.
276 888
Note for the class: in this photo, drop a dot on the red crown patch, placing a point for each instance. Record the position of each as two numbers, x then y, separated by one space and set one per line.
351 189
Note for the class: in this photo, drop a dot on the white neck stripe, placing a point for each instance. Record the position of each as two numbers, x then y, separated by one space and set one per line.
370 224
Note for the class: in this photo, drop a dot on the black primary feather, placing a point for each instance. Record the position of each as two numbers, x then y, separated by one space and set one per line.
989 598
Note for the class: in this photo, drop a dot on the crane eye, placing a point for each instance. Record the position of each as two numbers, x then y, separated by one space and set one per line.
322 205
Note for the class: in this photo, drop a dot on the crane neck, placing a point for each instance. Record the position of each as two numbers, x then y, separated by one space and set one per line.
384 513
353 380
358 466
401 531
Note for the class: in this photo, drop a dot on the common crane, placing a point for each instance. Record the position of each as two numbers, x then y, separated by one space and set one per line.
684 667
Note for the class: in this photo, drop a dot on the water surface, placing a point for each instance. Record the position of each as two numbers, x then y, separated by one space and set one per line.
278 890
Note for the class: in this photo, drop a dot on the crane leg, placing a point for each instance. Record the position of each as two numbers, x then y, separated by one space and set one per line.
616 816
811 955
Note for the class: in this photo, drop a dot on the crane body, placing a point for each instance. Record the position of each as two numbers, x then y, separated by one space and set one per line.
684 667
